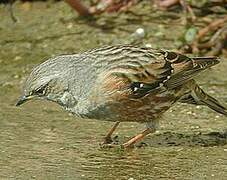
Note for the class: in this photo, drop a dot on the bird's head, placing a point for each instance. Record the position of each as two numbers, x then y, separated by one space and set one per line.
44 82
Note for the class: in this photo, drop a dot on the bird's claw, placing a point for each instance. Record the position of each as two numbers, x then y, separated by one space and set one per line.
109 140
109 146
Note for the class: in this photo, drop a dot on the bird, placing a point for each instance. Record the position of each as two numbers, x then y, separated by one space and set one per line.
121 83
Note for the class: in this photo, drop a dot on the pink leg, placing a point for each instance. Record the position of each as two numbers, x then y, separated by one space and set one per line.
108 139
137 138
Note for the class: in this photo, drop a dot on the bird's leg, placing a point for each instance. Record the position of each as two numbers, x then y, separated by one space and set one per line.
137 138
108 139
151 128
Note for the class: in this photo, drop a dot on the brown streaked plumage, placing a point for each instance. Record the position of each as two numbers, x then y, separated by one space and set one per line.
121 83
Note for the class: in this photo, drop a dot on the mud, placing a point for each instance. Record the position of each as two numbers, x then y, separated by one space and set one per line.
41 141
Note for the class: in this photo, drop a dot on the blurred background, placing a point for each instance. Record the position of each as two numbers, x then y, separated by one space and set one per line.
41 141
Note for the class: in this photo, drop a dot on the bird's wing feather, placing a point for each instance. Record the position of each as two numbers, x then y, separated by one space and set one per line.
168 71
186 68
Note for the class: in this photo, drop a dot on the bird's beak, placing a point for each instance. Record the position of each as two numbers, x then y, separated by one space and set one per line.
22 100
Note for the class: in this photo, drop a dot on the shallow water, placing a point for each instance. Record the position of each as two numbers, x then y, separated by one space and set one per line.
41 141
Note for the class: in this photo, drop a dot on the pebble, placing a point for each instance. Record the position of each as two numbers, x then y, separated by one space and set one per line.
148 45
17 58
131 178
140 32
16 76
195 127
70 25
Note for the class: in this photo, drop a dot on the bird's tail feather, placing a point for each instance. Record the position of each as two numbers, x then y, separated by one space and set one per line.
202 97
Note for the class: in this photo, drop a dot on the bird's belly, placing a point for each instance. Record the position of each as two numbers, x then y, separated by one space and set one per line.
132 110
142 111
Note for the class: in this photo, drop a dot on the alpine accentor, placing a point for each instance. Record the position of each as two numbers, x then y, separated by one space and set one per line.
121 83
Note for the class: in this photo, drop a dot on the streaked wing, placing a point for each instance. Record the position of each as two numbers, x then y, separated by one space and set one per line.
186 68
167 71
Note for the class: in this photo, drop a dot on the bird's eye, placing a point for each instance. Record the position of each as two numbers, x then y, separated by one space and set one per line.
41 91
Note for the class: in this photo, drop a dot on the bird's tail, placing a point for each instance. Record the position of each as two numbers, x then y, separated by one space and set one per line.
203 98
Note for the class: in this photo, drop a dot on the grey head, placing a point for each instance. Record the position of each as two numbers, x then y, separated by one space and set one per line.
48 81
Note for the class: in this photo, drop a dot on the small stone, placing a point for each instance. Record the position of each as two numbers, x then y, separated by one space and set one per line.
17 58
140 32
131 178
70 25
189 112
217 116
195 127
148 45
212 92
16 76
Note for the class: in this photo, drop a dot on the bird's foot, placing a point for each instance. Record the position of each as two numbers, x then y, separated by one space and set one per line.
111 143
123 146
109 146
142 144
109 140
115 144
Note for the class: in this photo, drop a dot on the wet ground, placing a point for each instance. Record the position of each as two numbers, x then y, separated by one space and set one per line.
41 141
